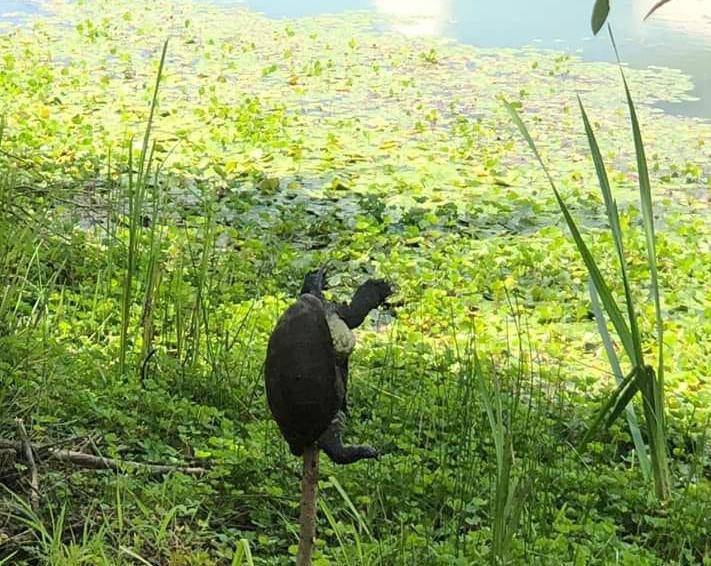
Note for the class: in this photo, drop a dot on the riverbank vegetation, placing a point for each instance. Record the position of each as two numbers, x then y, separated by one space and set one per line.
151 234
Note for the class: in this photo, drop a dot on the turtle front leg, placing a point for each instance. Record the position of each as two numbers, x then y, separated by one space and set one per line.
367 297
331 443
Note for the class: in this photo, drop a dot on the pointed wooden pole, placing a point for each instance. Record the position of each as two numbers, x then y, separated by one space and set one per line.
309 493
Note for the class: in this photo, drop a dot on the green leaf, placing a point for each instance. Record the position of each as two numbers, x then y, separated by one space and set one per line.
614 219
611 402
599 14
655 8
622 400
653 414
645 193
349 503
653 385
631 415
242 554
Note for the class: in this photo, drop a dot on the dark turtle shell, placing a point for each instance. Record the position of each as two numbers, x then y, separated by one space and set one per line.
304 388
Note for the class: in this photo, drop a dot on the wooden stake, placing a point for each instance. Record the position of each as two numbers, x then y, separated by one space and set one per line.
309 493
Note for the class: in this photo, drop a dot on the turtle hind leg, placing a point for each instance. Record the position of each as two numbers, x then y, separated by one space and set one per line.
330 442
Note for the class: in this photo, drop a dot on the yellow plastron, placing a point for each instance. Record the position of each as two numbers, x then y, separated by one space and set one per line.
342 337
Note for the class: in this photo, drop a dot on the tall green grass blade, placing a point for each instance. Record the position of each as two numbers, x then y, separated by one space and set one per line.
614 219
7 559
657 434
638 383
238 556
645 193
128 278
165 522
496 429
134 555
242 553
136 190
505 486
151 114
335 526
621 389
154 271
349 503
509 496
657 427
110 226
613 311
631 415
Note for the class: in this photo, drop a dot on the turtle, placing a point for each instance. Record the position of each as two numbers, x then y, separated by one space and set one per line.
306 367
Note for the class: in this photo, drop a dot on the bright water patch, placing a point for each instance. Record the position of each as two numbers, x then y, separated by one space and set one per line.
677 36
13 12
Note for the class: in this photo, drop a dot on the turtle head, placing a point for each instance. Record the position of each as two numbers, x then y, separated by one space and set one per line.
315 282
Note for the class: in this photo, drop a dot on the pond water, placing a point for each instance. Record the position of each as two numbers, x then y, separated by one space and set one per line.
678 35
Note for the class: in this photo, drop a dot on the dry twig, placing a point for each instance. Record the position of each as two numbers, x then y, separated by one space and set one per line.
99 462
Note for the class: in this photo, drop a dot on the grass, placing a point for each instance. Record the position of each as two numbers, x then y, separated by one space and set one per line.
137 188
642 377
478 392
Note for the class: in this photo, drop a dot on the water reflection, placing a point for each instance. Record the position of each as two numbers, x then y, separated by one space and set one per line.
678 35
682 16
12 8
426 17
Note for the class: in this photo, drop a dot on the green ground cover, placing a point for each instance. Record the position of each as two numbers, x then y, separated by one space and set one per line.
277 145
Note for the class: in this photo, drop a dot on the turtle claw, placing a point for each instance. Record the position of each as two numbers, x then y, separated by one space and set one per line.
348 454
340 419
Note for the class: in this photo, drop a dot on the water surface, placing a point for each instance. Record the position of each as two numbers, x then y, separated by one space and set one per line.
678 35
